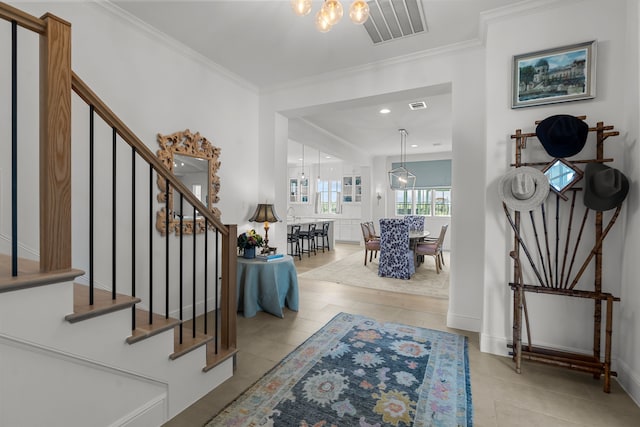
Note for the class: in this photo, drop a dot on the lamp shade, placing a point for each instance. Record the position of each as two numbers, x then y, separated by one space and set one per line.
265 213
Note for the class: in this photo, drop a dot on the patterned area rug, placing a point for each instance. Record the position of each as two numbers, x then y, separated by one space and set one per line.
358 372
351 271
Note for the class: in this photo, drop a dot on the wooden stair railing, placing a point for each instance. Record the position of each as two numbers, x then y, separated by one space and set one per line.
57 80
228 302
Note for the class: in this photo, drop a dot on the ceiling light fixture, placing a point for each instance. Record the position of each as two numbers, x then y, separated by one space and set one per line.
331 12
385 111
400 178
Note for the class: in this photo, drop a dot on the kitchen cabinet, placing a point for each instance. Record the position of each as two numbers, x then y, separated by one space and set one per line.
299 190
352 189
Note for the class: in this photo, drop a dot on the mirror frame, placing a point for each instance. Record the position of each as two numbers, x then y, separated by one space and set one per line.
194 145
577 177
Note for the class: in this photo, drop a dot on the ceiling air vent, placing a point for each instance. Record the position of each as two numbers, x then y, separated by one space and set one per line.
394 19
418 105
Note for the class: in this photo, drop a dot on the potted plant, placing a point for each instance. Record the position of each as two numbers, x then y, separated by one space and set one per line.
248 241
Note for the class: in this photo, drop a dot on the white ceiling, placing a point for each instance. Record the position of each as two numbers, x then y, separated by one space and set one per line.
265 44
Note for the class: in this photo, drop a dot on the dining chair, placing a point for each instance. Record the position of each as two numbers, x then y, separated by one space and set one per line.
322 237
293 240
433 248
310 236
372 230
396 258
415 222
371 243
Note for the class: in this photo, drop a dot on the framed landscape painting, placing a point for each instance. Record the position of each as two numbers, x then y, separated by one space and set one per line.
554 75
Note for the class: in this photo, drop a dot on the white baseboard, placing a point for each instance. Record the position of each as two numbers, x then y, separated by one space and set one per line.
628 380
494 345
187 310
498 345
153 413
464 323
23 250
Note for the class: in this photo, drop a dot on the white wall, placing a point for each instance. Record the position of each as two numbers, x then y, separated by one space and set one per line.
557 322
154 86
628 325
142 68
482 152
464 70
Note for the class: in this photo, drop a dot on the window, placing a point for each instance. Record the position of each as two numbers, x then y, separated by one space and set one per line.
441 201
196 189
404 204
328 192
425 201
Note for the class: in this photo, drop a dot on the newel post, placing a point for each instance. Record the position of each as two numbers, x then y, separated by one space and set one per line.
229 305
55 145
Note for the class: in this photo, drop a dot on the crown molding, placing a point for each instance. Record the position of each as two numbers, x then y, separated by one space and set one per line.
524 7
505 12
174 44
373 66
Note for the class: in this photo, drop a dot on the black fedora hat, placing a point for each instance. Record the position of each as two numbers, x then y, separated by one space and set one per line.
605 187
562 135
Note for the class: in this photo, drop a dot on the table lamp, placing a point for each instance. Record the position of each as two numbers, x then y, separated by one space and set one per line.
265 213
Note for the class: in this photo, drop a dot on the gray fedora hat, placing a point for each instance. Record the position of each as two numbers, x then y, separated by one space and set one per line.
523 188
605 187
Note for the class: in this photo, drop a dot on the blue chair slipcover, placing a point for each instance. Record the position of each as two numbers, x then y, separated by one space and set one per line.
415 222
396 259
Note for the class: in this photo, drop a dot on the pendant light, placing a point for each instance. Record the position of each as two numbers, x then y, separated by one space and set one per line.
400 178
322 24
302 162
331 12
318 196
301 7
359 12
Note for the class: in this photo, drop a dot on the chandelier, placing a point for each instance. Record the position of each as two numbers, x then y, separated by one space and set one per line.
331 12
400 178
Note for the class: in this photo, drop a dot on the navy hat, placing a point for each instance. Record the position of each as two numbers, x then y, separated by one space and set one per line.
605 187
562 135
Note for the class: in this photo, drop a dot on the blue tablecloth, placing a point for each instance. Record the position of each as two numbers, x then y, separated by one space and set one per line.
267 286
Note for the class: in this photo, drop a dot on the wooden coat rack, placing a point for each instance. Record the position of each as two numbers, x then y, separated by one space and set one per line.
545 263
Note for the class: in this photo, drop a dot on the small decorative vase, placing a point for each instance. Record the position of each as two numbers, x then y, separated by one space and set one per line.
249 252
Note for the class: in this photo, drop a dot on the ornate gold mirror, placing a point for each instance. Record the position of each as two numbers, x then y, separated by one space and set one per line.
195 161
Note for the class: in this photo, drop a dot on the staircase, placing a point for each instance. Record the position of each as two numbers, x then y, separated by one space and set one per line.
142 327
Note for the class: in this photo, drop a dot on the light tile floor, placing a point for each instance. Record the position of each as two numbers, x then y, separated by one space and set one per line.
541 396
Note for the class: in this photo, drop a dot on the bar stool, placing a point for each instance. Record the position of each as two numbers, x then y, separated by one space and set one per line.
310 236
323 234
293 240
